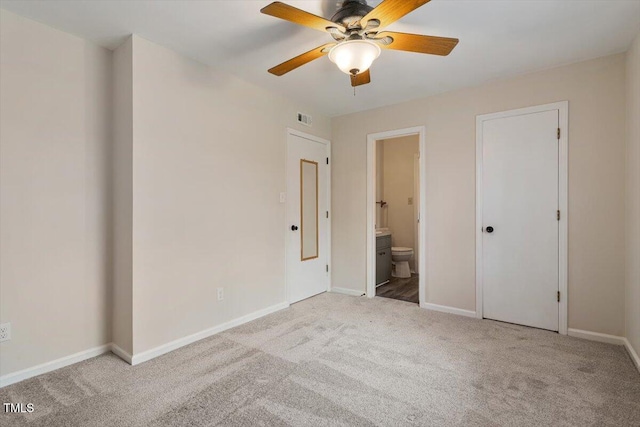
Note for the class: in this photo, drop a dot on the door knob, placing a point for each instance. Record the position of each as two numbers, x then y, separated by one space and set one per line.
489 229
294 227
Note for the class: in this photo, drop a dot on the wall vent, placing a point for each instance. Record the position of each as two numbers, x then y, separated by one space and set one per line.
305 119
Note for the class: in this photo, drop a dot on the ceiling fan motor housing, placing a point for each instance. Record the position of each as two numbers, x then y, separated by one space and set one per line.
351 12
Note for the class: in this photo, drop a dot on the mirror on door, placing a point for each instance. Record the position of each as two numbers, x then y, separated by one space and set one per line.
308 209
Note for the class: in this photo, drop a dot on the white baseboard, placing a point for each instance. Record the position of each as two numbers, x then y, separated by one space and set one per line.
609 339
43 368
632 353
118 351
181 342
347 291
447 309
24 374
596 336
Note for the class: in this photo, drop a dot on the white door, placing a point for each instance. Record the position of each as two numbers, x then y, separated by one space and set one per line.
520 233
307 202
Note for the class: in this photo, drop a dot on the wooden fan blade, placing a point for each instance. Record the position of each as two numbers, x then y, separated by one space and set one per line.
361 79
417 43
298 16
299 60
389 11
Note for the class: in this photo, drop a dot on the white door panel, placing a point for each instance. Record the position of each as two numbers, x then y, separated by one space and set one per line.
520 202
306 218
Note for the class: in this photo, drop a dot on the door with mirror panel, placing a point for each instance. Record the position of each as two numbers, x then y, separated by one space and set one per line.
307 212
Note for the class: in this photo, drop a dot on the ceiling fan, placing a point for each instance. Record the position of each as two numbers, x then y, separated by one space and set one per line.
355 29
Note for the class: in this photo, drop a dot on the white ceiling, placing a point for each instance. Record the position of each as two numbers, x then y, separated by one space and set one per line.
498 38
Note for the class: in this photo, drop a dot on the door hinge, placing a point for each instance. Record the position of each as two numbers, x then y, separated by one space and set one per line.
327 268
558 214
327 214
328 159
558 296
558 133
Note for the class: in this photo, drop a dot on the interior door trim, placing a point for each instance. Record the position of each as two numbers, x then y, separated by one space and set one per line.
563 196
294 132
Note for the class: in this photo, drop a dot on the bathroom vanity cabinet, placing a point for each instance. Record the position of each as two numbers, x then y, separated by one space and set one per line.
383 259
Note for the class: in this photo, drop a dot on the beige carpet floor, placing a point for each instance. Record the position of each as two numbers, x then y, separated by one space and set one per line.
336 360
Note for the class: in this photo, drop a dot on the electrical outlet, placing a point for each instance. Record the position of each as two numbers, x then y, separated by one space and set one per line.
220 294
5 332
410 200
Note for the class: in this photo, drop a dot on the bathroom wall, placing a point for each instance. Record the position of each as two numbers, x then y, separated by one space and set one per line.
398 183
381 220
55 99
596 92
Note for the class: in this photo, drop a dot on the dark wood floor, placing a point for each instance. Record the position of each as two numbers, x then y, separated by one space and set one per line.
402 289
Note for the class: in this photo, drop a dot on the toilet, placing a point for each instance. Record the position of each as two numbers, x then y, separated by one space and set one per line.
400 257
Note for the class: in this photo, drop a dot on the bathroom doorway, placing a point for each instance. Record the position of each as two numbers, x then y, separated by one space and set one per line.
395 241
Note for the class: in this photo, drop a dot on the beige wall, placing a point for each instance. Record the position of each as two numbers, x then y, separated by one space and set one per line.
54 222
398 185
122 206
208 165
632 321
596 93
198 162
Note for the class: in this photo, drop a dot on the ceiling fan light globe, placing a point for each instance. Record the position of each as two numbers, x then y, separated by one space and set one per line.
354 55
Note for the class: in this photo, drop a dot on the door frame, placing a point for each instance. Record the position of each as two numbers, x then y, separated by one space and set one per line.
371 212
563 193
294 132
416 209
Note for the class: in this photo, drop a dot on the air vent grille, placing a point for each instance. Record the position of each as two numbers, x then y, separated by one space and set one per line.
305 119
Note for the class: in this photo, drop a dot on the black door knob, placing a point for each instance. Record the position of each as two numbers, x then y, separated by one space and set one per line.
294 227
489 229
